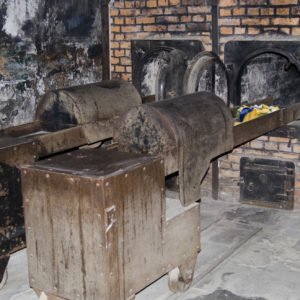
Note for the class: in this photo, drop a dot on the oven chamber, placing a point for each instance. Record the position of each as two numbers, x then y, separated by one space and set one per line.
172 68
252 70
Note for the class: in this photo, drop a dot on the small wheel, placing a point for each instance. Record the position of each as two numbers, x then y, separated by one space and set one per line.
4 279
180 278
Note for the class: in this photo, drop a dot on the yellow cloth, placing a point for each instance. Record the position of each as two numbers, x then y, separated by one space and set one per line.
258 111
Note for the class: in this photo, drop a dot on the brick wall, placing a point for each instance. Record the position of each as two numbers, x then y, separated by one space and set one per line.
171 19
151 19
263 147
240 18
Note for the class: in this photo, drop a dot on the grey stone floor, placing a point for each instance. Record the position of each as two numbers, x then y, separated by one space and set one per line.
248 253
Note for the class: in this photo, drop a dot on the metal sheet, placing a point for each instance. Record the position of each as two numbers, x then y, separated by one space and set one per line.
195 128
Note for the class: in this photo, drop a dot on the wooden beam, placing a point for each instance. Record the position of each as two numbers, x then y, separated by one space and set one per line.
105 40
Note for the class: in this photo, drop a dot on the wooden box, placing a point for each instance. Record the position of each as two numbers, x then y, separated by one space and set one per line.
97 228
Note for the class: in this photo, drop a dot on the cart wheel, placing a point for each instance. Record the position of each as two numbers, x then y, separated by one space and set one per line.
4 279
180 278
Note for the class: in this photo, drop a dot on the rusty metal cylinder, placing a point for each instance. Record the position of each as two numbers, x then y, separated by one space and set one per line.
187 132
85 104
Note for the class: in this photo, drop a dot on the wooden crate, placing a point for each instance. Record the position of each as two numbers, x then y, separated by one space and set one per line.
97 229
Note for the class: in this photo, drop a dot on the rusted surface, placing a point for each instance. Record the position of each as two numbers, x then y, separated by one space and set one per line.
118 199
198 127
80 105
12 232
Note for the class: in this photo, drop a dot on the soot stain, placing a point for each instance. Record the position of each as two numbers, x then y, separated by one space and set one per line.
56 47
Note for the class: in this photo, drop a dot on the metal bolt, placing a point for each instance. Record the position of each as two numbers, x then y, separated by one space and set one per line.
107 184
161 161
15 148
126 175
144 169
47 176
25 172
97 184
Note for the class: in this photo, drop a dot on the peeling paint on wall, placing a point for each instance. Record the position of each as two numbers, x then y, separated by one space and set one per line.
45 44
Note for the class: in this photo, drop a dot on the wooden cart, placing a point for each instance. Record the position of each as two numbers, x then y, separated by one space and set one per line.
65 119
97 227
97 221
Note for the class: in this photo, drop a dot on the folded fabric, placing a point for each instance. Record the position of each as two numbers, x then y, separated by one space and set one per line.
247 113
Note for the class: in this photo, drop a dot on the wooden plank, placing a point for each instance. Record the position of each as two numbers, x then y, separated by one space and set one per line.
16 152
144 212
59 141
63 230
182 238
21 130
39 234
247 131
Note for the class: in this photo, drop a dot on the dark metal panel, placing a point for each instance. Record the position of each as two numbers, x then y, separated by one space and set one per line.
267 182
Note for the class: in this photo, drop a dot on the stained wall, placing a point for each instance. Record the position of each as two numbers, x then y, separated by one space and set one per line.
45 44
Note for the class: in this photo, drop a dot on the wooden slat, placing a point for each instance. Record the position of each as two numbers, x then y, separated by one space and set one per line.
21 130
62 140
250 130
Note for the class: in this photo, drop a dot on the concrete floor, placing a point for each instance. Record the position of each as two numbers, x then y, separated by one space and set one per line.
248 253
